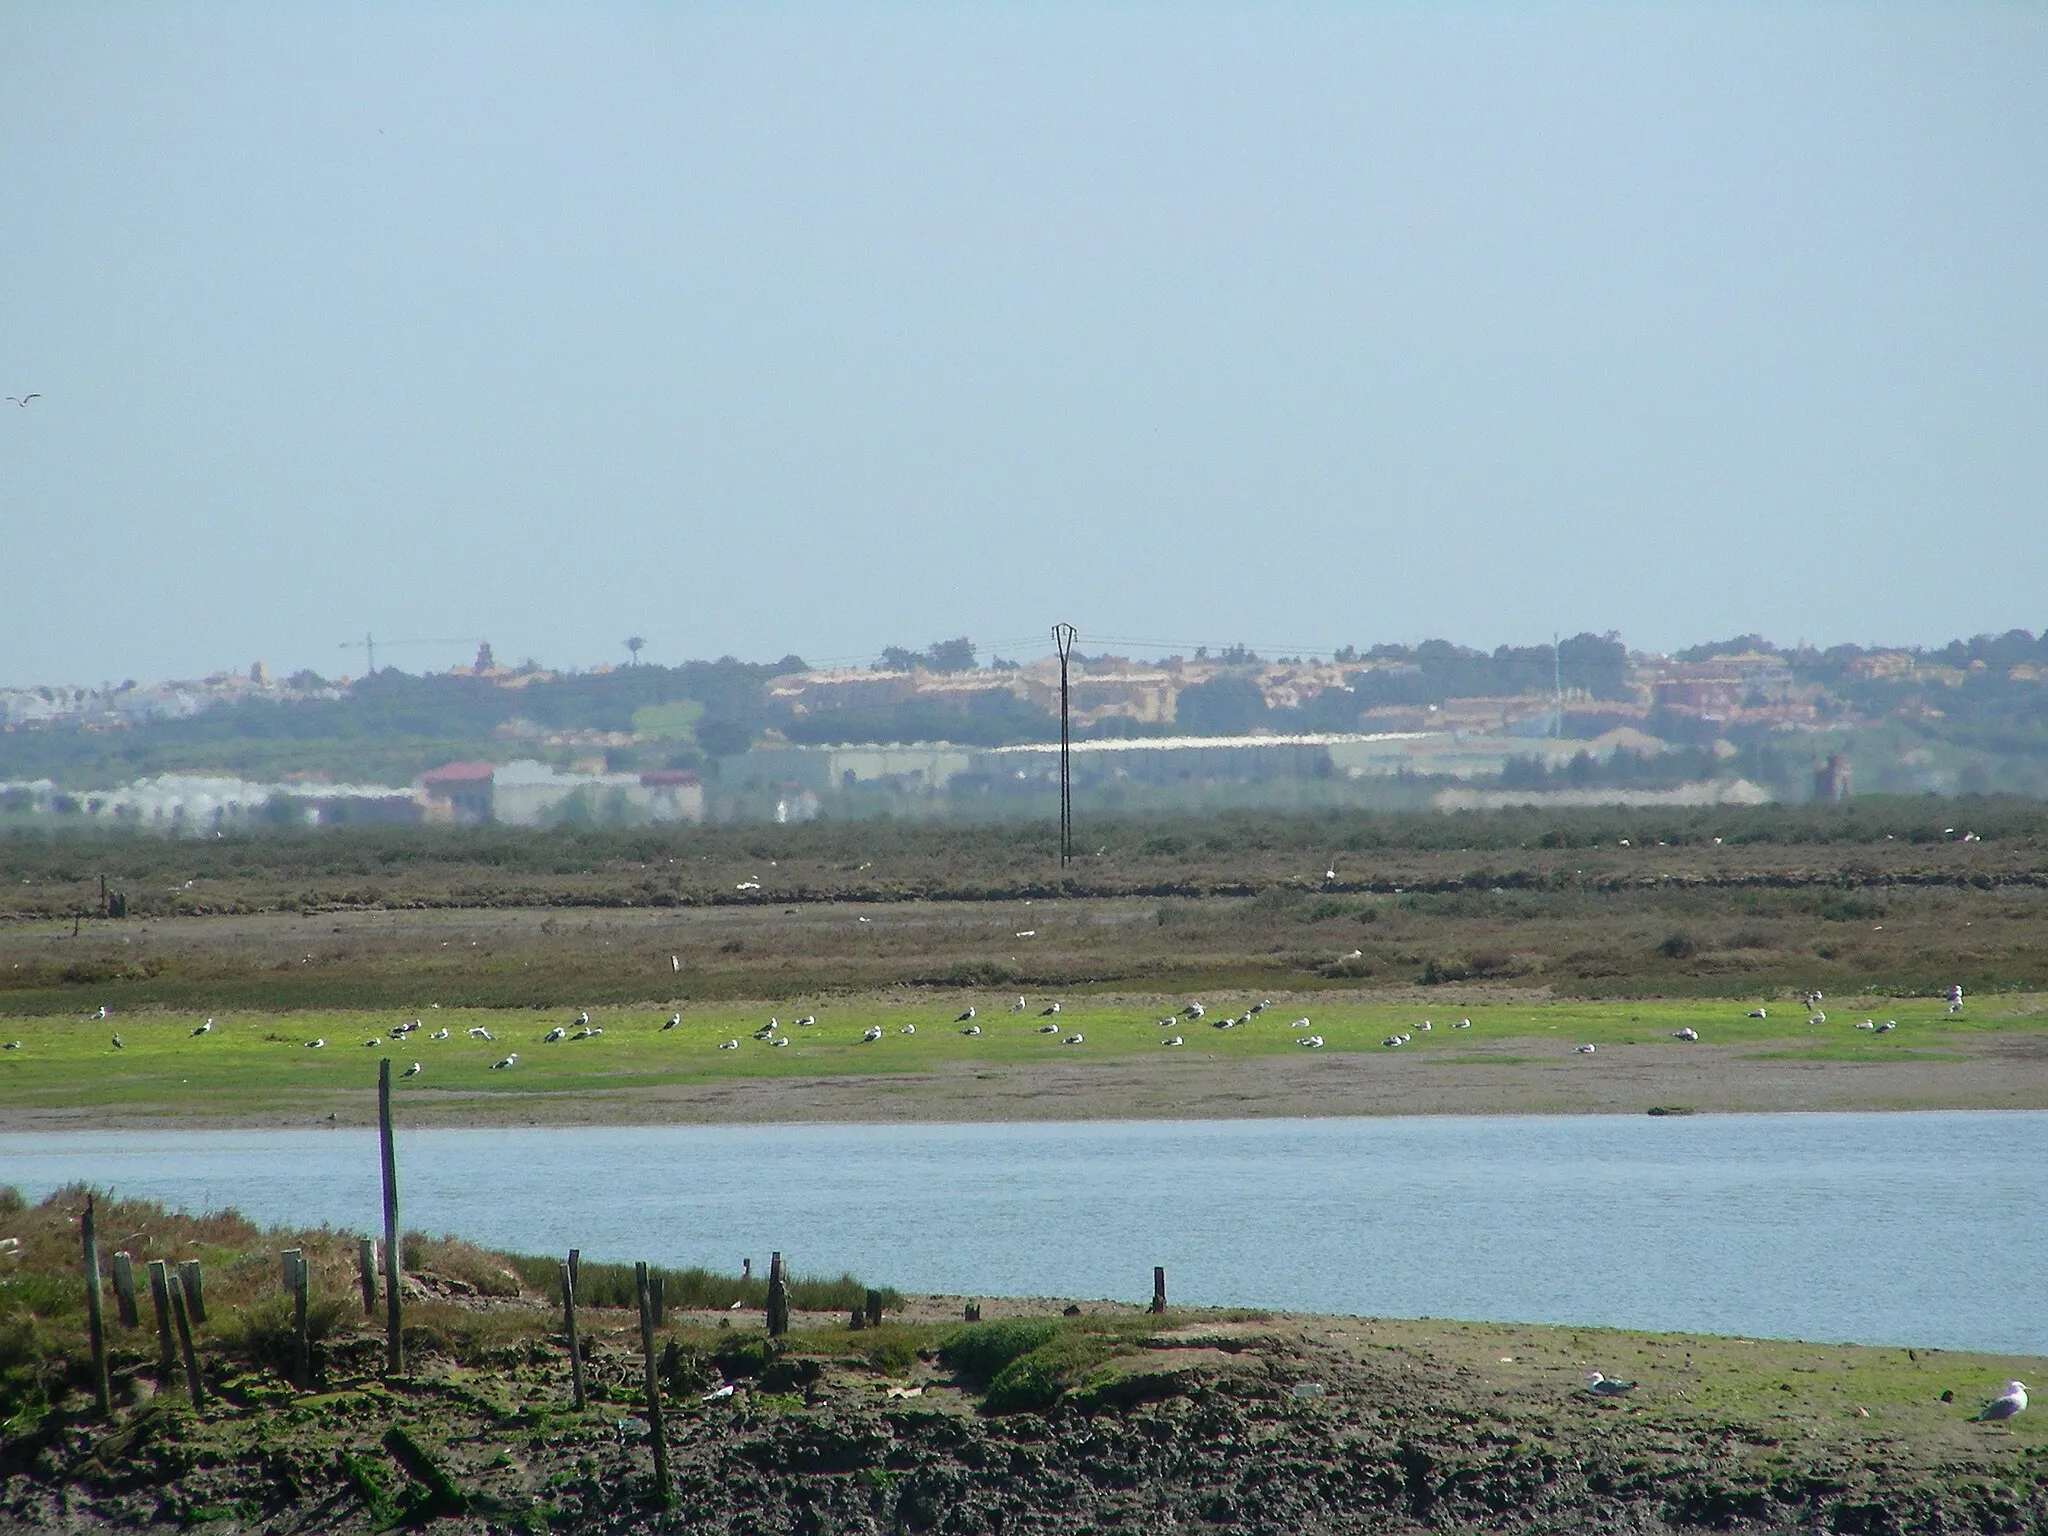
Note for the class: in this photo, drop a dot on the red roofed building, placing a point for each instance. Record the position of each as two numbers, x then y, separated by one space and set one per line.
459 793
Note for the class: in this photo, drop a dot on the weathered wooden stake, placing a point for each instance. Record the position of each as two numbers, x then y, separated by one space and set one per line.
971 1313
658 1287
569 1327
778 1298
96 1324
195 1293
1158 1288
443 1497
576 1268
874 1309
180 1309
366 1272
394 1340
302 1338
124 1291
160 1299
857 1320
663 1493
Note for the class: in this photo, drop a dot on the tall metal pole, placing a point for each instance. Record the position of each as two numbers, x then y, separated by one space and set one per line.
1063 641
394 1328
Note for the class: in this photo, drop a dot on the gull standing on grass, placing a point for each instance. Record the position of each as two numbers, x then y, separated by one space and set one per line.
2009 1404
1607 1386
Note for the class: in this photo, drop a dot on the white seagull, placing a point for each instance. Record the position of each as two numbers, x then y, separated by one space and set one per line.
478 1032
411 1071
1048 1012
730 1045
965 1017
439 1034
1192 1011
1313 1042
1607 1386
972 1029
557 1033
2009 1404
1587 1050
1462 1024
204 1029
499 1066
1687 1033
908 1029
1018 1006
1756 1013
1175 1040
807 1021
673 1020
311 1045
1048 1029
1301 1023
873 1034
1071 1040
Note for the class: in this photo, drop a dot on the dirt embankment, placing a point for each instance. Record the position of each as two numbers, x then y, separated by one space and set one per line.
1254 1424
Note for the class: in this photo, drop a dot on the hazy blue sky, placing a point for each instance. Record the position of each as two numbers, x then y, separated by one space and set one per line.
822 328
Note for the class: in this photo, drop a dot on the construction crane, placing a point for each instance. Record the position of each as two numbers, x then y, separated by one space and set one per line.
369 643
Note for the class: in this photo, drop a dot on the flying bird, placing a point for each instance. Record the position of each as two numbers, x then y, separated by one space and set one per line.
2008 1404
675 962
22 400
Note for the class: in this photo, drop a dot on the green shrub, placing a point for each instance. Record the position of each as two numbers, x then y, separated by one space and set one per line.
980 1351
1029 1385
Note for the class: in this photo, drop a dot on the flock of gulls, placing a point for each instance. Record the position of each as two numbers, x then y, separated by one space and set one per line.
775 1035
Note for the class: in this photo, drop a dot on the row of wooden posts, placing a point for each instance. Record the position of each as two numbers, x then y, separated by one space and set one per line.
178 1298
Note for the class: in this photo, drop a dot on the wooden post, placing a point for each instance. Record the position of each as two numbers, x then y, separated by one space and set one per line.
394 1340
366 1270
302 1339
874 1309
160 1298
658 1288
778 1298
857 1320
663 1493
576 1268
124 1291
96 1323
971 1313
180 1309
195 1294
569 1327
1158 1288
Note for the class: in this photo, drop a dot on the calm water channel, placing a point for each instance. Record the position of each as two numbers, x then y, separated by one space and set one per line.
1923 1229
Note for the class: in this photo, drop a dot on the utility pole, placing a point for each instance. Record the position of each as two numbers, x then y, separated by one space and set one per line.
1556 688
1063 642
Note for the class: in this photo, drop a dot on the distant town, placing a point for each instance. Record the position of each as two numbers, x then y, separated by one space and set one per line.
935 732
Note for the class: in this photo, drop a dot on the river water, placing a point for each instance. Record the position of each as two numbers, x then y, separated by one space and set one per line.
1921 1229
